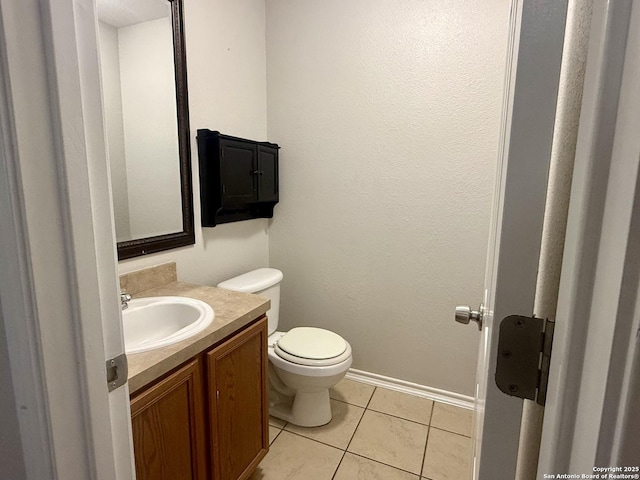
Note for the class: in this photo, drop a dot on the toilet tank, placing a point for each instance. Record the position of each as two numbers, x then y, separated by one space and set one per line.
263 281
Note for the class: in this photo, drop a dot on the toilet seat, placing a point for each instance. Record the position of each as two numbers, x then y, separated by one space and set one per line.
312 347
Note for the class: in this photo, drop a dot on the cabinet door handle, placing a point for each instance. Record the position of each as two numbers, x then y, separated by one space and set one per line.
257 172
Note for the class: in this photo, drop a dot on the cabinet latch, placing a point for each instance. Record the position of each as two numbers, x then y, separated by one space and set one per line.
117 371
524 356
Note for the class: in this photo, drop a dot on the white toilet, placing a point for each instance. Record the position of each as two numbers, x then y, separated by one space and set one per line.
304 363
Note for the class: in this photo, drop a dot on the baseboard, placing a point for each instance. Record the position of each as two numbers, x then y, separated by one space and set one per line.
431 393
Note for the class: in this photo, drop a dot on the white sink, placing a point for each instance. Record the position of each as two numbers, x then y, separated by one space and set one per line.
156 322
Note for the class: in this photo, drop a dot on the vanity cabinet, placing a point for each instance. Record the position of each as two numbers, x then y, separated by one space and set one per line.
239 417
238 178
169 427
209 418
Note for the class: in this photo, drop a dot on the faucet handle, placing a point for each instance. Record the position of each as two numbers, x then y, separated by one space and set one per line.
125 298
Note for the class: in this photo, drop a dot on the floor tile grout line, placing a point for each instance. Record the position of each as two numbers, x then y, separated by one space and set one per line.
354 404
450 431
344 452
371 397
328 444
424 455
359 421
314 440
285 423
371 459
383 463
348 403
364 411
401 418
276 437
428 424
403 393
301 434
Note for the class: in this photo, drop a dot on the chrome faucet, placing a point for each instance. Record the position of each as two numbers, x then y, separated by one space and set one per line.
125 298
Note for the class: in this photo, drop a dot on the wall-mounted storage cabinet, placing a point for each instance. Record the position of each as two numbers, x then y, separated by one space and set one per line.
238 178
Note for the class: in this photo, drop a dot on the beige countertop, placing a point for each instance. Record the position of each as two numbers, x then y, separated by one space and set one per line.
233 311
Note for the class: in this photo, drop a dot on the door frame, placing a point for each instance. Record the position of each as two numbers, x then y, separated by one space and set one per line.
591 415
58 281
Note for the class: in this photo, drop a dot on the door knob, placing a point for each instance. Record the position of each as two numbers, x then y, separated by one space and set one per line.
464 314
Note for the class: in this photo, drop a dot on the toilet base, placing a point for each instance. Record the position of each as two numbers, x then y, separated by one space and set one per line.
299 394
306 409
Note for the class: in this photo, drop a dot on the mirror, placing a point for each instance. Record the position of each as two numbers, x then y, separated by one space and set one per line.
144 83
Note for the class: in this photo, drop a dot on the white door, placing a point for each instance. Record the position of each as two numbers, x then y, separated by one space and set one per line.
591 412
531 85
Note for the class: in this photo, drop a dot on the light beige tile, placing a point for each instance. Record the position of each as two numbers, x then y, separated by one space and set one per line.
350 391
453 419
448 456
273 433
391 440
292 457
338 431
403 405
276 422
353 467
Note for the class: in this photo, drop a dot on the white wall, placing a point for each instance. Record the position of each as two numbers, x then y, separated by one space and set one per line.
112 96
226 66
388 116
150 127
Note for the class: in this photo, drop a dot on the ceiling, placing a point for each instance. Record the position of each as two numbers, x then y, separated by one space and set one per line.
122 13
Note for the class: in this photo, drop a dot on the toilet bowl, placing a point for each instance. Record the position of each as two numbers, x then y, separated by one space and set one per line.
301 385
304 363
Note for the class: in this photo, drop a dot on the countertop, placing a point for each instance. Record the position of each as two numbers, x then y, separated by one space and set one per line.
233 311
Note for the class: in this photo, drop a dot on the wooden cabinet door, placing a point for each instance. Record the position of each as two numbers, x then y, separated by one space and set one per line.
238 164
268 174
169 427
237 372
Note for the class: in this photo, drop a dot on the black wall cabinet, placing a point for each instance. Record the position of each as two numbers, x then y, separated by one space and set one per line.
238 178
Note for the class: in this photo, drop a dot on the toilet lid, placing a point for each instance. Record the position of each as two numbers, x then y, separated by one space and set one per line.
312 343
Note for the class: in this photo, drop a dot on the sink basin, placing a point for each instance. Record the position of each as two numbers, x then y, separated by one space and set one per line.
155 322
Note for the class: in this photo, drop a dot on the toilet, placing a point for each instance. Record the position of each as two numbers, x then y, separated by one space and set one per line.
304 363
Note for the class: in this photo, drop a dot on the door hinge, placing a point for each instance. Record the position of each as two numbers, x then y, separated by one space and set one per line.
117 371
524 355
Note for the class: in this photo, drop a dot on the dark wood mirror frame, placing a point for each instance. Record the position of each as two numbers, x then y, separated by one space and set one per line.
143 246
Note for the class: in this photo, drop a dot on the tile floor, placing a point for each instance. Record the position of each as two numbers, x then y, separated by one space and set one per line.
375 434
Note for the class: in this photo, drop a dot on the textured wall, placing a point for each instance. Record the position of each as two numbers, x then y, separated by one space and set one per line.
227 91
388 116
